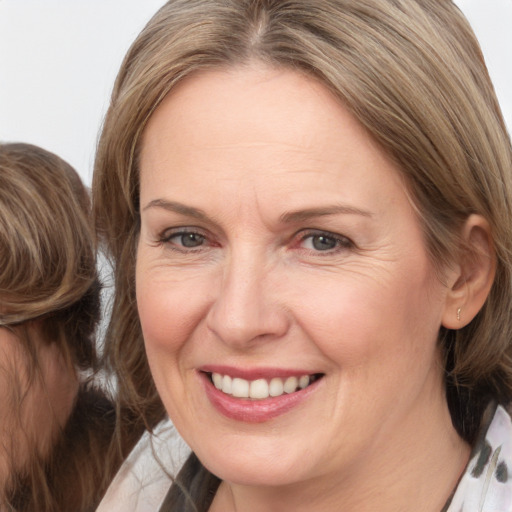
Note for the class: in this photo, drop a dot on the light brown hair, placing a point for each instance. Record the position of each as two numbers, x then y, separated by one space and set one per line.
49 285
411 72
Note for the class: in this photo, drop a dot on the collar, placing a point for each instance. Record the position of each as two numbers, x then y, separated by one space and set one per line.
486 485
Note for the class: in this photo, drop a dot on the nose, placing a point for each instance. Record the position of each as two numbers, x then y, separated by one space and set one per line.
246 307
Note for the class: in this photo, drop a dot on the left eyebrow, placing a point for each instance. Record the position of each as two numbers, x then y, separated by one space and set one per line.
310 213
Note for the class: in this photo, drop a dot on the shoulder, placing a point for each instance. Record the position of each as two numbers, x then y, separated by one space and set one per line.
146 475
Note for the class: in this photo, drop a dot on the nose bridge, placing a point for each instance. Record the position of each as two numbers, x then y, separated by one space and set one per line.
246 307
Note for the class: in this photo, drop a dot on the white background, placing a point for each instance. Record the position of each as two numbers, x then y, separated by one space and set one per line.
59 58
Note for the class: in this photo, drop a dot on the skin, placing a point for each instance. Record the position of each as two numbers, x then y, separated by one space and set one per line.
250 147
33 411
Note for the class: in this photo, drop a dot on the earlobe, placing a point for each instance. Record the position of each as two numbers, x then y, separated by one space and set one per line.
475 268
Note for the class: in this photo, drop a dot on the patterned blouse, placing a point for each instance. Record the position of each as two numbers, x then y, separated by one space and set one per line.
486 485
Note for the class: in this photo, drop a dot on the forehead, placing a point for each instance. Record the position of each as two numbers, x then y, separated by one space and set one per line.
256 96
259 127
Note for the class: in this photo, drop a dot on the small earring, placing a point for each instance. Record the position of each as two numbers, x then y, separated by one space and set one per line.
458 313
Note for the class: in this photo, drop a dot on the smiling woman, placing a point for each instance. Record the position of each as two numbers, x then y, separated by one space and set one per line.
307 206
280 289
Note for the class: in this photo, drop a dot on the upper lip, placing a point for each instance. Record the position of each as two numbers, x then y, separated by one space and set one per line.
255 373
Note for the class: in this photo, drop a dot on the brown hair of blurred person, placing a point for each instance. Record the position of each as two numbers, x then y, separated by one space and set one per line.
56 426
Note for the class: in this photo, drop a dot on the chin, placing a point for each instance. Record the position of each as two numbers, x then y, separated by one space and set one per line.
244 468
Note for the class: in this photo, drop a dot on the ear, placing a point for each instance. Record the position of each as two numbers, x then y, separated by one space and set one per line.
472 274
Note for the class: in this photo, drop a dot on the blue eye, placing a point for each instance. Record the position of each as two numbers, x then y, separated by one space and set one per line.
184 239
325 242
190 240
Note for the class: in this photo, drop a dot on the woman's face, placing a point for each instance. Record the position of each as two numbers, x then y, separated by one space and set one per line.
280 260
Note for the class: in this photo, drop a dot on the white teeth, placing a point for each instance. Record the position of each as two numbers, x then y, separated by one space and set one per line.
276 387
217 380
240 388
290 384
259 389
227 384
304 382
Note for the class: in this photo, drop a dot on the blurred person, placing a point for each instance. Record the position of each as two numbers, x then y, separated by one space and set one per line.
56 425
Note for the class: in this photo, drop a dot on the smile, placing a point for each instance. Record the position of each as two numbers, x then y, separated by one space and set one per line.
261 389
258 395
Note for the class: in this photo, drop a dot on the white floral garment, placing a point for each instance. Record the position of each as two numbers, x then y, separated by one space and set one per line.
486 485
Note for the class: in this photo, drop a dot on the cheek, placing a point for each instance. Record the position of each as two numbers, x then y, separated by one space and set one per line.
355 318
169 311
163 323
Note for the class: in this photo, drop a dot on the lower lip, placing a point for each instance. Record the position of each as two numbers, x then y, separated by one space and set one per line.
255 411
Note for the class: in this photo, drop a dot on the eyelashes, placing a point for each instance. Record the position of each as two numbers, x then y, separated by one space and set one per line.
191 240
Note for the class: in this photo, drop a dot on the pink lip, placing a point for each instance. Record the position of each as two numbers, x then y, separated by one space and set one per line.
254 411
